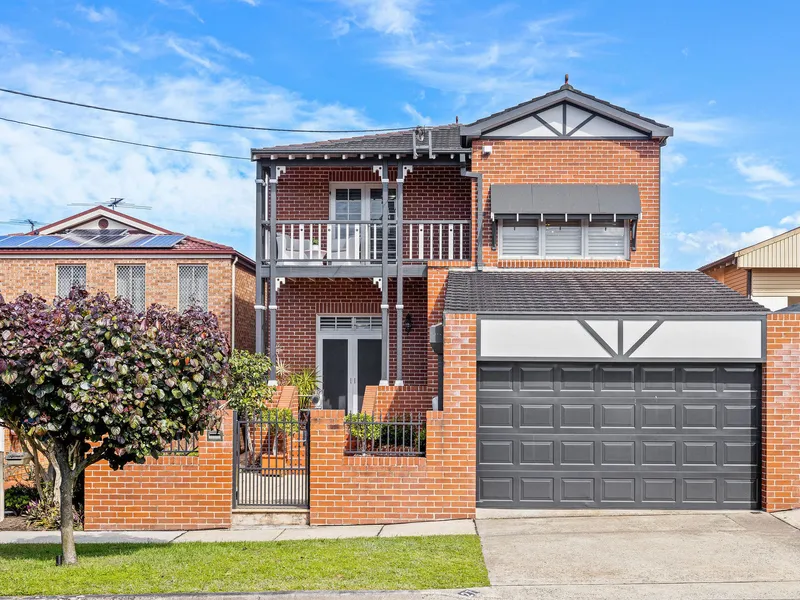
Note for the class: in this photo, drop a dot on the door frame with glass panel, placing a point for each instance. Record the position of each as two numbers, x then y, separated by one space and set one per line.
352 336
366 213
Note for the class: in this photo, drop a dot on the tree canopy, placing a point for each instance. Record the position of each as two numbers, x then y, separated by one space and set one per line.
88 378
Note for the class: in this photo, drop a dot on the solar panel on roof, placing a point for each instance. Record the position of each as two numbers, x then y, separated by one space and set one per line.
33 241
98 241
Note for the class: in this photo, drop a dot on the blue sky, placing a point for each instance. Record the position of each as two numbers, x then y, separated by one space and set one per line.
723 74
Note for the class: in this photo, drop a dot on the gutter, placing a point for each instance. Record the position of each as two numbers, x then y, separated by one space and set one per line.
233 301
479 178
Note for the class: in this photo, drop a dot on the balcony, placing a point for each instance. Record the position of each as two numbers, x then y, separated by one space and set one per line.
318 248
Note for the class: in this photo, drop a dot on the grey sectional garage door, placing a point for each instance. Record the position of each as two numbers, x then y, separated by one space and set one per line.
618 436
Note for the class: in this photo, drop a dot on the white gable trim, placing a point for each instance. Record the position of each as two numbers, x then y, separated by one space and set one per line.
574 98
564 120
97 213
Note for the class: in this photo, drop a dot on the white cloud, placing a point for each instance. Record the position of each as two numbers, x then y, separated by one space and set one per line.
203 196
672 161
95 15
791 220
182 6
713 131
190 55
761 173
717 241
394 17
251 2
490 71
418 117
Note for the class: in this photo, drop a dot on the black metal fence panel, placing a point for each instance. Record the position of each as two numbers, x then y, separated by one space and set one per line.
271 458
182 447
385 435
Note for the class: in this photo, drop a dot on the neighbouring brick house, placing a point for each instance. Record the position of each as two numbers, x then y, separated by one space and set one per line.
107 250
504 277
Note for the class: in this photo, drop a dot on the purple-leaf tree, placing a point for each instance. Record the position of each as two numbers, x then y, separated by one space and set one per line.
88 379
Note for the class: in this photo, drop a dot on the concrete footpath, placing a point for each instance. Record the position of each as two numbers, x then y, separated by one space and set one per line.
270 534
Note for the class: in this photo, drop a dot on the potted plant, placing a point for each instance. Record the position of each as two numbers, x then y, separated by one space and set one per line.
307 383
279 425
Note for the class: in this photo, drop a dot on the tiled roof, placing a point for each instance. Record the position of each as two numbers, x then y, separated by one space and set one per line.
574 91
792 308
446 138
592 291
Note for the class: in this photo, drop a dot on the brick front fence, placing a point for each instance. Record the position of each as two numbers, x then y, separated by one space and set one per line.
173 492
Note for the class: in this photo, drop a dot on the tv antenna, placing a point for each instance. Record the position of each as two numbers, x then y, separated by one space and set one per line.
113 204
30 222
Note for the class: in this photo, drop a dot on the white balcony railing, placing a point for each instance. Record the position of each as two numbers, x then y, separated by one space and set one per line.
320 243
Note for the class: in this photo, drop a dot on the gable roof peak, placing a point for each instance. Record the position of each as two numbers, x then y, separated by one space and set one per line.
569 94
96 212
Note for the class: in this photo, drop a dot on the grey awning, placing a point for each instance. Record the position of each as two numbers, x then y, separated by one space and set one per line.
554 199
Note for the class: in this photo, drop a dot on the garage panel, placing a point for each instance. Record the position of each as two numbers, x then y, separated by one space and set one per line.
594 436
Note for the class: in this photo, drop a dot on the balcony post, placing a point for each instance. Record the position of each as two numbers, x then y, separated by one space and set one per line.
384 169
401 170
261 184
275 172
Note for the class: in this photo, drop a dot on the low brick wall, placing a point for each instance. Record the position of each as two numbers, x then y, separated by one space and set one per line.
173 492
385 489
391 400
780 441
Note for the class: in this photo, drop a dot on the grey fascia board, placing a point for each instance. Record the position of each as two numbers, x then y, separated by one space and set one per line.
262 152
476 130
620 314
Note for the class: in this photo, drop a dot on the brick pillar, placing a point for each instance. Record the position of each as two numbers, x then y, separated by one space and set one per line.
437 279
780 438
460 404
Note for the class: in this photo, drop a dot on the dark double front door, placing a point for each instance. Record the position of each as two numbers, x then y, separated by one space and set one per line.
616 435
349 364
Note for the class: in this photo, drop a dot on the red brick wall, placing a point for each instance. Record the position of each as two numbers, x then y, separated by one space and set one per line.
373 489
575 161
173 492
780 484
245 299
390 400
301 300
38 276
429 193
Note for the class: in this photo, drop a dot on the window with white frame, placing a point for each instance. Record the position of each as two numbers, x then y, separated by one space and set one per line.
362 202
192 286
559 238
68 277
131 285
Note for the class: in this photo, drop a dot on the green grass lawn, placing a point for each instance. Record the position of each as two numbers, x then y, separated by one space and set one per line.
352 564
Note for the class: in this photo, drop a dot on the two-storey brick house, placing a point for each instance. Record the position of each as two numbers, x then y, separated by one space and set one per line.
107 250
533 234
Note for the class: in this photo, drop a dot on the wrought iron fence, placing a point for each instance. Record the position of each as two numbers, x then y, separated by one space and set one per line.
271 458
382 435
182 447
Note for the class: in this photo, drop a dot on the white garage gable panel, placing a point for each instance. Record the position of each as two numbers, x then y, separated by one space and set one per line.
734 340
541 338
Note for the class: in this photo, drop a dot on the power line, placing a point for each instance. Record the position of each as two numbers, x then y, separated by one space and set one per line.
191 122
108 139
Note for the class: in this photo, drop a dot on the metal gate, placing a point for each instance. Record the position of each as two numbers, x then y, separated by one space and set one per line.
270 452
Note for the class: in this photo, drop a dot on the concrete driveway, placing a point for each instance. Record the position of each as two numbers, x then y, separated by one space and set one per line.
674 555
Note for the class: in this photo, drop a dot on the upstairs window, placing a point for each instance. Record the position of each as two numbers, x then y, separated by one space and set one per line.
563 239
557 238
192 286
606 240
131 285
68 277
520 238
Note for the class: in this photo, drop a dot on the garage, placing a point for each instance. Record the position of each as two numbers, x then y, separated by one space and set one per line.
578 435
614 389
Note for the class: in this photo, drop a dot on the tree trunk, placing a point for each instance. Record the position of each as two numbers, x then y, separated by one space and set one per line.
67 489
